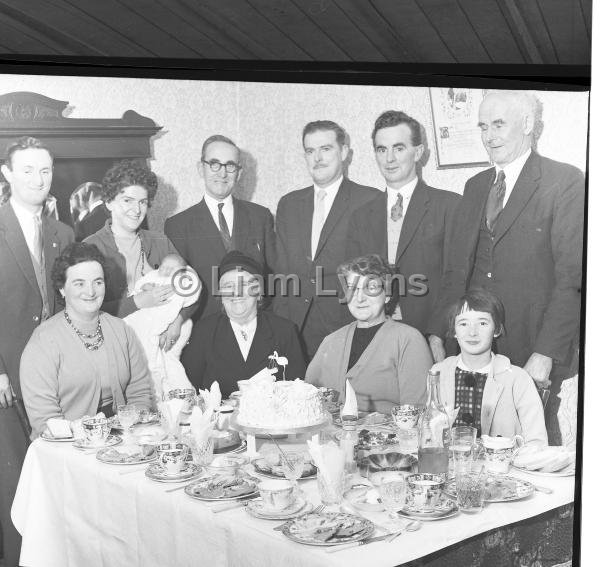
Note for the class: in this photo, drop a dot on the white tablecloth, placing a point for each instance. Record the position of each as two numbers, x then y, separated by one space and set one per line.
74 511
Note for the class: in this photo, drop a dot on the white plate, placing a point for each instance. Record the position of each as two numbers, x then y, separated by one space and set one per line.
196 489
107 456
47 436
319 529
85 444
569 471
157 473
451 510
299 506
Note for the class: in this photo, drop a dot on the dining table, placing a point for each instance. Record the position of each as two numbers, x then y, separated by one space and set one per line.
75 511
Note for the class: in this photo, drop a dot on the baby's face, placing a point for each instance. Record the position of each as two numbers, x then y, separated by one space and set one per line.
169 265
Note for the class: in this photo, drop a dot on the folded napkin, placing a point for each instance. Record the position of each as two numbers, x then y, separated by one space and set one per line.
214 397
351 405
59 428
264 375
328 458
170 411
201 425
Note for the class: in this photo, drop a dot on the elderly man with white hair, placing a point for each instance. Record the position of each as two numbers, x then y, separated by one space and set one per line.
518 232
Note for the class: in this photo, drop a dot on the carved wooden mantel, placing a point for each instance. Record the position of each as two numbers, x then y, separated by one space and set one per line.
32 114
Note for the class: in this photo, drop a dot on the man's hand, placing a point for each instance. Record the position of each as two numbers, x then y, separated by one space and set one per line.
153 297
539 367
6 393
170 336
437 348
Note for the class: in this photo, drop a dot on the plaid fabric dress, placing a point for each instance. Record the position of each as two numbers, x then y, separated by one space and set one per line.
468 388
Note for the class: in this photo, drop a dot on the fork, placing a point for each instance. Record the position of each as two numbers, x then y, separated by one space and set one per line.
318 509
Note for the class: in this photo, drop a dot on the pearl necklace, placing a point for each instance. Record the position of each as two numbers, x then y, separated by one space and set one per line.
97 335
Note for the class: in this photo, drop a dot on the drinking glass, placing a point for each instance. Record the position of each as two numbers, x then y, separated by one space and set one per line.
470 491
128 415
393 496
293 466
331 487
462 443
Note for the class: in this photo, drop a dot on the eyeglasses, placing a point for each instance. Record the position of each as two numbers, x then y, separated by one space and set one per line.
216 165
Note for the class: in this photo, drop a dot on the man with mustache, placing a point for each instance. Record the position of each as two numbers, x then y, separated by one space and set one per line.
29 243
311 229
518 232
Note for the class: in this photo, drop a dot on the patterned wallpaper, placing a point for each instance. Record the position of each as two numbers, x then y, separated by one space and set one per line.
266 121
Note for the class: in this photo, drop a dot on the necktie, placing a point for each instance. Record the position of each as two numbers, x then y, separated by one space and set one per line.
318 220
224 229
397 209
38 242
495 201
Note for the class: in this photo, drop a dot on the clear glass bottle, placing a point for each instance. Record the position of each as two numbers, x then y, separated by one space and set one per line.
348 443
434 430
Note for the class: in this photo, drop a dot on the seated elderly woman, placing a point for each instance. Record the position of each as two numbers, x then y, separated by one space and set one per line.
81 360
236 343
385 361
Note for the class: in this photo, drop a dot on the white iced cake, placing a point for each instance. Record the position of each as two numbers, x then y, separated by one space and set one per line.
280 405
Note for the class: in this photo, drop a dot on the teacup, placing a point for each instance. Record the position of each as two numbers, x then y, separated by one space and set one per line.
96 430
171 457
406 416
499 452
276 494
424 490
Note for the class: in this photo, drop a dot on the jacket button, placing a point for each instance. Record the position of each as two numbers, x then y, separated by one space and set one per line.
313 281
307 300
489 274
36 318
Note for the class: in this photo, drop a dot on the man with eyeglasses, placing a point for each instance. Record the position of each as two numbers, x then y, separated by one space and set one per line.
220 223
312 227
408 223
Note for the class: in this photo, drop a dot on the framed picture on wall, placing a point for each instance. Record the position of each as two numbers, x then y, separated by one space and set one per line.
454 118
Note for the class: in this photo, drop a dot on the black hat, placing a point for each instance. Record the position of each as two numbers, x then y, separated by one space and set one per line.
236 260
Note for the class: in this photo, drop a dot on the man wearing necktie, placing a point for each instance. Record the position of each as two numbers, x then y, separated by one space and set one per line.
312 230
220 223
518 231
29 243
408 223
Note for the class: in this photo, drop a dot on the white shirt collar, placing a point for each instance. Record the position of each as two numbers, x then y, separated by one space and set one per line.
213 204
512 171
460 363
330 189
406 191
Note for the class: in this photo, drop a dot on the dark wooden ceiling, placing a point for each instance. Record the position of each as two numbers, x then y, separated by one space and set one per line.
399 31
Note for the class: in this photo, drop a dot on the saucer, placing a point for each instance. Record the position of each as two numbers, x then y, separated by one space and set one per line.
358 497
445 508
157 472
264 468
235 449
299 506
47 436
85 444
499 489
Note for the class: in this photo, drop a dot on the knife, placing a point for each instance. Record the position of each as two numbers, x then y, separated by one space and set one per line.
543 489
356 543
230 506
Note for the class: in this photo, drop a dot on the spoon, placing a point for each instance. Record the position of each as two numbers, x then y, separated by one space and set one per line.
412 526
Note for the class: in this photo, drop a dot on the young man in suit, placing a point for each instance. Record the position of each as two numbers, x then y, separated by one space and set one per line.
312 227
219 223
518 231
408 223
29 243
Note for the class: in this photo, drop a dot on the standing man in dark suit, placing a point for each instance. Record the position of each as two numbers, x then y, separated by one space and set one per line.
408 223
29 244
518 231
219 223
312 228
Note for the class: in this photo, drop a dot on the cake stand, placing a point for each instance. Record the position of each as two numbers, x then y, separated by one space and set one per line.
252 431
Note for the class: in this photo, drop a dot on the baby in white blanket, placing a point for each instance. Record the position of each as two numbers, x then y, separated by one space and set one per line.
150 322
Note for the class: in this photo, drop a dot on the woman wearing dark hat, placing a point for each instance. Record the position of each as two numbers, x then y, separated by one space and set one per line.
236 343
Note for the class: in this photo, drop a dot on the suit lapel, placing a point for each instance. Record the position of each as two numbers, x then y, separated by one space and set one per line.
13 234
377 230
51 252
417 208
489 401
241 225
526 185
337 211
263 341
305 215
206 227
